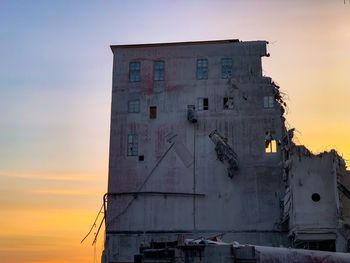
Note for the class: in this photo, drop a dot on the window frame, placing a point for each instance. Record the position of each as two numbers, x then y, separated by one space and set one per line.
159 70
271 144
224 104
153 112
202 69
132 145
269 102
134 71
226 68
200 104
131 106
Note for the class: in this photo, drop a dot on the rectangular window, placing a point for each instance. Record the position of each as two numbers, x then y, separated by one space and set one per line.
228 103
158 70
269 102
270 146
226 68
134 106
270 143
153 112
203 104
134 71
202 69
132 145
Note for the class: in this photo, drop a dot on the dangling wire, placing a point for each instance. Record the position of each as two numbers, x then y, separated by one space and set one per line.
93 225
95 257
98 230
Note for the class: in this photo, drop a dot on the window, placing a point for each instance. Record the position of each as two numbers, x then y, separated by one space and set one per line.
134 71
203 104
226 68
228 103
270 146
269 102
202 69
134 106
191 114
153 112
158 70
270 143
132 145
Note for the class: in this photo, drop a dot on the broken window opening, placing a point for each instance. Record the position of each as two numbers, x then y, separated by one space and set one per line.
270 146
141 158
153 112
132 145
191 114
134 71
228 103
158 70
203 104
270 143
134 106
321 245
269 102
226 68
202 68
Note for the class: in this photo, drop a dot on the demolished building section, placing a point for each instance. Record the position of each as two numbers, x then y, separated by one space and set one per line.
208 251
199 146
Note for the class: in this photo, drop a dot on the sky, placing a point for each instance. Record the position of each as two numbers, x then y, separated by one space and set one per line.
55 96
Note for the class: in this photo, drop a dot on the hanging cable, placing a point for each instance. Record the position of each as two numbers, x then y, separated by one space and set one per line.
98 231
141 186
93 225
128 205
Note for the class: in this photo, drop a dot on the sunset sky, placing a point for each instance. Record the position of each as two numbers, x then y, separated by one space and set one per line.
55 95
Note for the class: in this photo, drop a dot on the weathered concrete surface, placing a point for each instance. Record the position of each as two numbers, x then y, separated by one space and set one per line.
317 211
180 186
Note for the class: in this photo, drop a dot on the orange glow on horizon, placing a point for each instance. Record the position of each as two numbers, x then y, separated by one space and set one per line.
56 91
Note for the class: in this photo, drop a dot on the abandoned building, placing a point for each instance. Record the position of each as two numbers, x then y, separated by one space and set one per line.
199 147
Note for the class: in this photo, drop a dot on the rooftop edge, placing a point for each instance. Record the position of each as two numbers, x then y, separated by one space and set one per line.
179 43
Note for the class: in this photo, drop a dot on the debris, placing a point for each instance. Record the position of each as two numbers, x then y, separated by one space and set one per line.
224 152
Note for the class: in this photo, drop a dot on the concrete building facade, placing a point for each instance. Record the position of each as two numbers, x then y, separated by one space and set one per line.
198 147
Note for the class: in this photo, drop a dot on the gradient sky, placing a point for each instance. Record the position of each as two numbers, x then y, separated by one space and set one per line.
55 94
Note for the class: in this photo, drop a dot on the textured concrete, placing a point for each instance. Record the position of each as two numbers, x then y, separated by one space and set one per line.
180 186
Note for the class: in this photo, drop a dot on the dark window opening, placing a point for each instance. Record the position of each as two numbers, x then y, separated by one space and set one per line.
203 104
191 114
315 197
153 112
228 103
141 158
322 245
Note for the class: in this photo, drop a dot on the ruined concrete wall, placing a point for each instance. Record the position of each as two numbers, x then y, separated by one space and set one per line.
247 206
314 191
318 208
